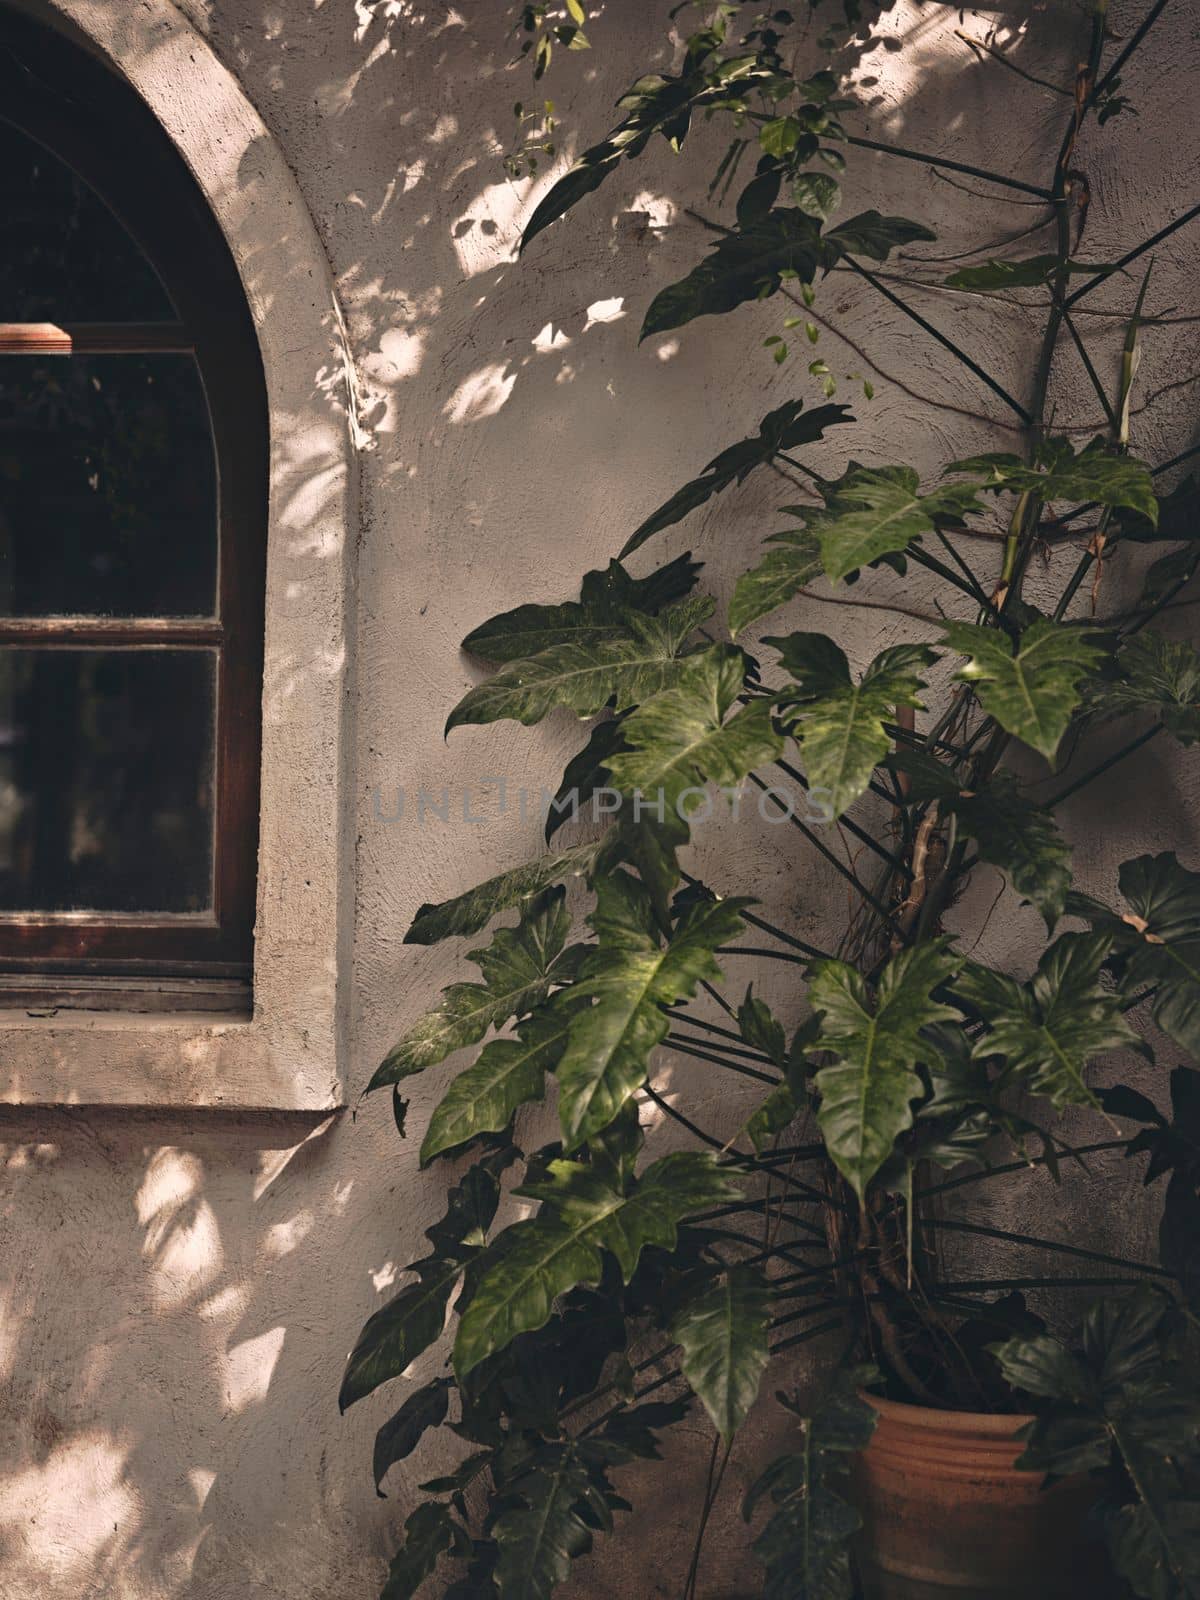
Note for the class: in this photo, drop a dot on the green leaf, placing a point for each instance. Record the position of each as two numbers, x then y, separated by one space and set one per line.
785 428
1021 839
1158 940
780 575
750 262
1031 272
817 194
867 1095
631 977
678 741
467 913
519 968
425 1408
509 1073
875 511
409 1323
722 1332
1178 517
804 1548
1158 674
871 235
430 1533
398 1333
585 677
1122 1407
1049 1029
1031 689
599 613
538 1260
1098 473
539 1537
838 723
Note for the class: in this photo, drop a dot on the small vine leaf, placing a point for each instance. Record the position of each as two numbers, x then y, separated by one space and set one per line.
599 613
872 512
1157 940
1158 674
722 1333
879 1040
431 1532
584 678
817 194
537 1260
838 723
519 969
631 976
1032 688
425 1408
786 428
1097 473
679 740
467 913
1048 1030
793 562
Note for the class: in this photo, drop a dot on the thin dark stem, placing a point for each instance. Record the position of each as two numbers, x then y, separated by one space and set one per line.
1151 17
1103 766
1092 373
950 166
758 950
988 1173
948 344
945 1223
1132 255
824 850
674 1042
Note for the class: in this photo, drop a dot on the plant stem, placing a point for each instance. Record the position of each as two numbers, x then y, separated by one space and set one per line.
1132 255
1103 766
941 338
954 1226
950 166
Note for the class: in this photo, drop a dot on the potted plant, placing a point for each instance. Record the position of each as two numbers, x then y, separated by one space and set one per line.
911 1074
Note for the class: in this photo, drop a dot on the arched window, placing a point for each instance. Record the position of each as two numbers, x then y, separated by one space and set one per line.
133 506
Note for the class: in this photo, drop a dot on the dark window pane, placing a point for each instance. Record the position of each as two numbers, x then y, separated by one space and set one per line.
108 503
106 780
66 258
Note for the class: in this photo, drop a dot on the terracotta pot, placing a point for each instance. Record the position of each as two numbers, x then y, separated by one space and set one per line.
947 1516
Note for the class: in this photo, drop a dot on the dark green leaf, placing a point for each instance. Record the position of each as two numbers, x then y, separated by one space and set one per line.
546 1256
722 1333
1021 839
1099 472
785 428
600 612
430 1533
631 976
794 562
1029 273
1032 690
838 723
543 1533
804 1548
1049 1029
585 677
519 968
424 1409
469 912
867 1095
1158 674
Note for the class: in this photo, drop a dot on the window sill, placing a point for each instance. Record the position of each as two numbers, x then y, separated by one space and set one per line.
177 1059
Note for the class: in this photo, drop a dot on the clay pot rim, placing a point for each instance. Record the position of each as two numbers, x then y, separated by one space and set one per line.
996 1425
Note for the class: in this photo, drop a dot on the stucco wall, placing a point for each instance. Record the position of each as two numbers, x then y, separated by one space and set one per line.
179 1292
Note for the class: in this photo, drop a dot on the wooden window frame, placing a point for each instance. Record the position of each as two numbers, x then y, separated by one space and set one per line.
89 119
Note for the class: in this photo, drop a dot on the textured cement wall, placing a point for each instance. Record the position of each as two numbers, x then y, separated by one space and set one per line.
179 1291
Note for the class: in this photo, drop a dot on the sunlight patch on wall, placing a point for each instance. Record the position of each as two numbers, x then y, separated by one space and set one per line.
66 1517
481 395
182 1240
601 311
249 1368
